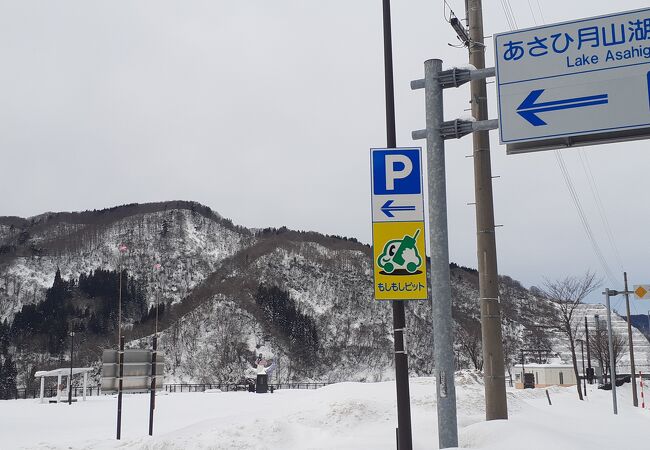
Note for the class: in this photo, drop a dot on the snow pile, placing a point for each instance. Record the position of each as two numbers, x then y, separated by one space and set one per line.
340 416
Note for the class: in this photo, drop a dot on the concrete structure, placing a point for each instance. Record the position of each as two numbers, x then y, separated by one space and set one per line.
65 372
546 375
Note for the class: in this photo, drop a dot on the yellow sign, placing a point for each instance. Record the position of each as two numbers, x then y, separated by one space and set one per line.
399 260
642 291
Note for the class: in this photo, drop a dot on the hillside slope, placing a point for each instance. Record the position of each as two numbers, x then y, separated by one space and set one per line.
300 298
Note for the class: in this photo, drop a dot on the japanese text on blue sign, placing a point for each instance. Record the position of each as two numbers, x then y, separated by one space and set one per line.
623 39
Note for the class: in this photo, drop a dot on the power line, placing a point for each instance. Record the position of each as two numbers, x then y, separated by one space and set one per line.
599 203
541 14
583 217
512 13
508 13
530 5
510 18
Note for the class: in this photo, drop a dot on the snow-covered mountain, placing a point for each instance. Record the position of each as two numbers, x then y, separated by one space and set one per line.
188 238
300 298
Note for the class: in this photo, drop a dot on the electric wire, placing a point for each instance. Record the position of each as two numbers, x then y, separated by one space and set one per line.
532 13
541 14
507 7
512 14
583 218
599 204
509 18
445 7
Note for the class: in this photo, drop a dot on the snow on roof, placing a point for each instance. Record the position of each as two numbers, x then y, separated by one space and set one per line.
546 366
64 371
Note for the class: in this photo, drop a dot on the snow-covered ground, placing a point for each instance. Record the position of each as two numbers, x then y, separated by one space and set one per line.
339 416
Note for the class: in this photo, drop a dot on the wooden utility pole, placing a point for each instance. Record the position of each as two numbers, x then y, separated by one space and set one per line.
496 406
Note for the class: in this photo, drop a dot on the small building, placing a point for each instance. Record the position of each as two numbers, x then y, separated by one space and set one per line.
554 374
59 373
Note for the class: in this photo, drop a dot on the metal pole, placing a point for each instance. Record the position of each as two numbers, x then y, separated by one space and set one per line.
523 370
152 400
443 350
588 354
584 374
612 362
600 361
496 406
119 388
635 400
399 316
119 307
70 380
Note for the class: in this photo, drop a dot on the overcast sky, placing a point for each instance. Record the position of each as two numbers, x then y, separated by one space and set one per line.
266 110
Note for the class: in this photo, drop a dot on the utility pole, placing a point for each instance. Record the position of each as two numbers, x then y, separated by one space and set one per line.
404 438
600 361
71 364
154 353
443 337
584 375
612 362
119 387
496 406
436 132
590 371
121 249
635 400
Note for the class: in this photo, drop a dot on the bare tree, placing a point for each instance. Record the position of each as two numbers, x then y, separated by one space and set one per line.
468 338
567 294
600 347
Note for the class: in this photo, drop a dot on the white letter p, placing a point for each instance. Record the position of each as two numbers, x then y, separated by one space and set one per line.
392 174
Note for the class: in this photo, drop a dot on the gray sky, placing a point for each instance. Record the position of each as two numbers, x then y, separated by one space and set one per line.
266 111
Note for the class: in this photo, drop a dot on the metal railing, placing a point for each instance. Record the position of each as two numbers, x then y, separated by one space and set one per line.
228 387
50 392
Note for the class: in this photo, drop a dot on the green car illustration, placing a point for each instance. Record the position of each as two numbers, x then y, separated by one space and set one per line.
400 254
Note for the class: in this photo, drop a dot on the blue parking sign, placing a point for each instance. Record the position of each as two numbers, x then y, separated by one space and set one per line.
396 171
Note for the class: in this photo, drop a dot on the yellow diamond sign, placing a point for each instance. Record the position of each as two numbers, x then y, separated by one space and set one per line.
642 291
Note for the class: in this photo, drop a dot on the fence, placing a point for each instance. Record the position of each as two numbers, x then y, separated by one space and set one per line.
25 393
227 387
51 392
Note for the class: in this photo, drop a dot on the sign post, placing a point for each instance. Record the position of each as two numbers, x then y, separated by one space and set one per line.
403 432
443 350
575 83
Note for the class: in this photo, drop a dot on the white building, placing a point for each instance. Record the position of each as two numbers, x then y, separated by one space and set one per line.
553 374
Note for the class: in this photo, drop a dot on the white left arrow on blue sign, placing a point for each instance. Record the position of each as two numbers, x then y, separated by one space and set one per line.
397 188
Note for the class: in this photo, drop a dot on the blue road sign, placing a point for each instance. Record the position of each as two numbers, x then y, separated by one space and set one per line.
396 171
397 188
581 82
529 109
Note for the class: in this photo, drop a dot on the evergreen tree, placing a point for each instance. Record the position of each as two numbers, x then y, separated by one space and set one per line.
3 390
8 375
5 335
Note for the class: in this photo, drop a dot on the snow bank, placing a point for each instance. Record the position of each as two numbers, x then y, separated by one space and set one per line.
339 416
